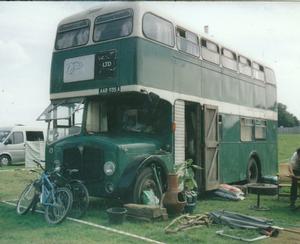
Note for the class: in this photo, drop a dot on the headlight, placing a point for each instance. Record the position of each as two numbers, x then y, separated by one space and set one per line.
109 168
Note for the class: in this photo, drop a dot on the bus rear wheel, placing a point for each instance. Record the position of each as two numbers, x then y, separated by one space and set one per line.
252 171
145 182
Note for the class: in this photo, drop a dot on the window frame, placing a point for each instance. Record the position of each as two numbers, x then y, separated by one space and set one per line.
273 82
107 21
13 135
232 52
246 125
205 39
254 63
248 62
57 32
29 135
232 59
154 39
187 31
262 124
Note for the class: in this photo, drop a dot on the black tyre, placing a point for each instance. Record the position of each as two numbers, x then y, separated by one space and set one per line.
26 199
60 206
253 173
80 199
5 160
145 181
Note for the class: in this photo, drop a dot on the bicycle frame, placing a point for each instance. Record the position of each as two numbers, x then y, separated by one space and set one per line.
47 190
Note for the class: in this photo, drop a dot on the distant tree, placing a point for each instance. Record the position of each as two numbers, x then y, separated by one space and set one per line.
285 118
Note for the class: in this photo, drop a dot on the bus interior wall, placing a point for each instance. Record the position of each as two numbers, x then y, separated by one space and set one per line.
193 140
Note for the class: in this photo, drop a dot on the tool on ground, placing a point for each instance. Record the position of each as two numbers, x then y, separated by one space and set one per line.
261 237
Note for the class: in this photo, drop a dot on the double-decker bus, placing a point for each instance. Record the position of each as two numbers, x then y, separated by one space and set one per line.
134 93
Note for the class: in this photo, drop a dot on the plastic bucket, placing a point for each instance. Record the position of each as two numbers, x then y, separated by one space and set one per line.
116 215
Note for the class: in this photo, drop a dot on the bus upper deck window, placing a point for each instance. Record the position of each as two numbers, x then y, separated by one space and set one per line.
210 51
228 59
258 71
73 34
187 42
270 76
158 29
113 25
245 66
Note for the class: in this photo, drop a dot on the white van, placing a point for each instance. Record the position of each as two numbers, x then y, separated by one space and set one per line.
12 142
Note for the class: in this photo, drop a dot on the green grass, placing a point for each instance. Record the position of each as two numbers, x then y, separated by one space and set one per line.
287 145
32 228
15 166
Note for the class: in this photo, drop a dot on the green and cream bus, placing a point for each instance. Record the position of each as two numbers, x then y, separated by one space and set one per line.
134 93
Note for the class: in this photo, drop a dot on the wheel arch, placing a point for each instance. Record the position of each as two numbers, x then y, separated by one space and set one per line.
153 160
6 154
254 155
132 171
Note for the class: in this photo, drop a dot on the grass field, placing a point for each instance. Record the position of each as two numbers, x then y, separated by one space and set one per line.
32 228
287 145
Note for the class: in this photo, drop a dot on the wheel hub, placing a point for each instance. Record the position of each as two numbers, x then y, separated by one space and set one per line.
4 161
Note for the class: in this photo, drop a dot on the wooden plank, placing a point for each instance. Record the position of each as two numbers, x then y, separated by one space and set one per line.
146 211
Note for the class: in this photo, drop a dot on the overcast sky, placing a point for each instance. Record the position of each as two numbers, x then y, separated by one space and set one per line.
267 31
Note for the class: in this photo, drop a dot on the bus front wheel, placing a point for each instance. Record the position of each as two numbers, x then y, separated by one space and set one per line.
145 182
252 171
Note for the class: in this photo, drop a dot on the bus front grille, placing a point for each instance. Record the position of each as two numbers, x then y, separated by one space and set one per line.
88 160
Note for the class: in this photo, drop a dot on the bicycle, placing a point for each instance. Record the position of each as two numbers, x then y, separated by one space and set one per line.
79 191
56 200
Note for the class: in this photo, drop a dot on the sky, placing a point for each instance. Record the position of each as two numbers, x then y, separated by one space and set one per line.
268 32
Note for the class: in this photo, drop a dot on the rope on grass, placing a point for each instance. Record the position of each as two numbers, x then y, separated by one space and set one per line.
101 227
14 170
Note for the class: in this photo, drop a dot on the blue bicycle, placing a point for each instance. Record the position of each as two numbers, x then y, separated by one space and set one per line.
56 200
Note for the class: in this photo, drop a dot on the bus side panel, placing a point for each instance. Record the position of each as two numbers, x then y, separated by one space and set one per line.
154 65
230 89
246 94
271 97
187 75
259 96
211 81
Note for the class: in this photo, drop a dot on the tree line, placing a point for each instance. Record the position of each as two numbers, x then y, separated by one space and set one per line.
285 118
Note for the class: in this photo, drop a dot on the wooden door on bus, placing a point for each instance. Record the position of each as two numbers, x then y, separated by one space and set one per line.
211 144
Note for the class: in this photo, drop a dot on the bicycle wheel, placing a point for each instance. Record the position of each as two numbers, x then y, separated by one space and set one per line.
59 206
80 199
26 199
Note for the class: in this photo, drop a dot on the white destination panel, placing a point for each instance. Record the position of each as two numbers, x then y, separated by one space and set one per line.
79 68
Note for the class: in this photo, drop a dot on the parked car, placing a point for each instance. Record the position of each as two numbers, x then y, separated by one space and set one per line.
12 142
